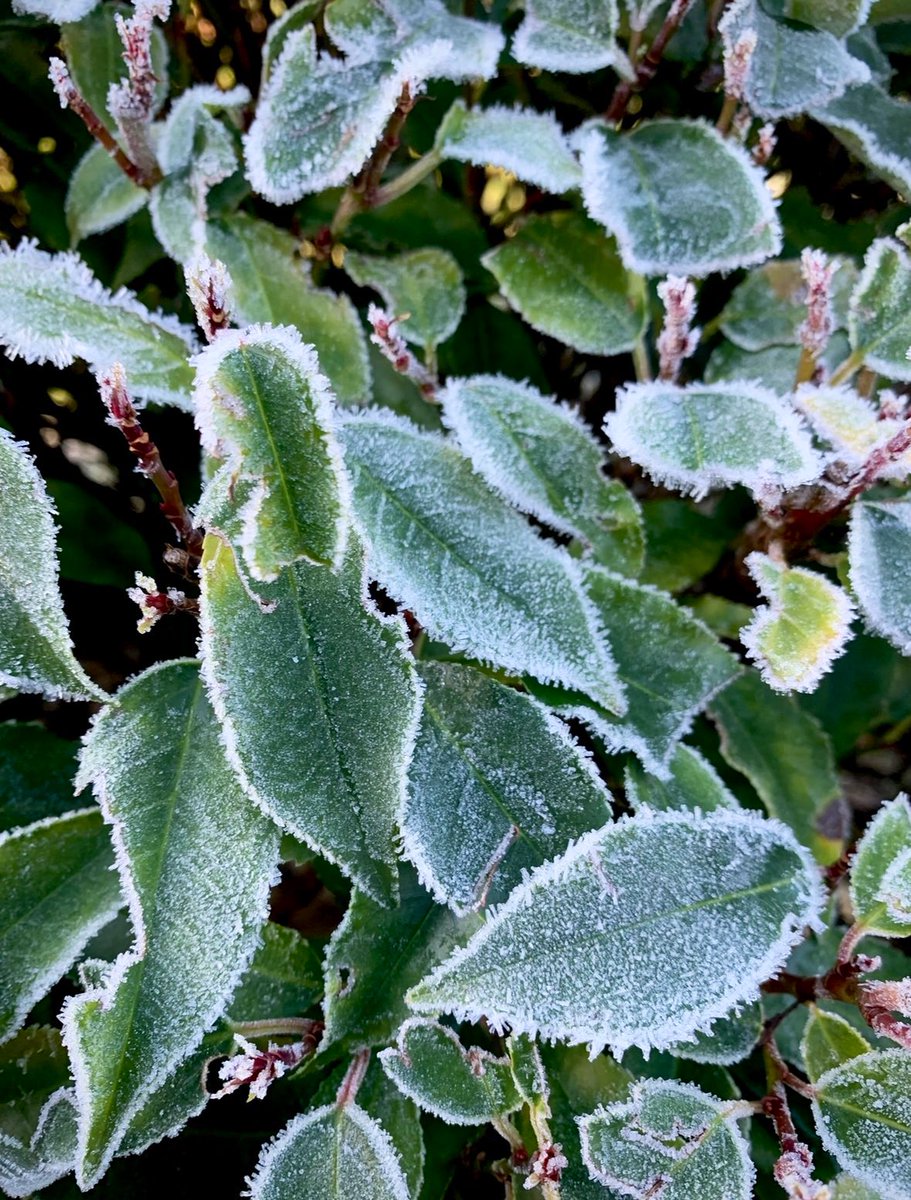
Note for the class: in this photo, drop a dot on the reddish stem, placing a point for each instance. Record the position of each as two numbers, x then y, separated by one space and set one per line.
650 62
354 1077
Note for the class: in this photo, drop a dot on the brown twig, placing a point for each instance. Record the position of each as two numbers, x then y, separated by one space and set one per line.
650 62
363 193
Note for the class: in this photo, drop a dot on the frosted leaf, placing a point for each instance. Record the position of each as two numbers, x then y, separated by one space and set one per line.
322 743
528 1069
178 213
850 424
272 285
840 17
362 29
257 389
768 308
786 755
541 457
879 538
876 128
55 10
177 141
563 275
730 1040
774 368
570 35
805 626
847 1187
397 1114
36 774
36 654
880 895
669 1138
678 197
829 1040
376 954
879 323
53 309
436 539
100 196
531 145
331 1153
790 70
470 49
58 890
692 783
423 288
496 785
461 1087
670 664
157 765
702 436
642 933
862 1111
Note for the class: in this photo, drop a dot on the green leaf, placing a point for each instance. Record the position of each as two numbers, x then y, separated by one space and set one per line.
58 890
828 1041
55 10
263 406
96 546
698 437
331 1153
53 309
531 145
321 744
879 322
785 754
436 537
283 980
195 860
570 35
179 142
376 954
880 883
36 654
422 287
846 1187
876 128
840 17
542 458
524 788
806 625
678 197
602 312
176 214
730 1040
100 195
880 537
852 425
669 1137
774 368
769 307
682 543
36 775
693 783
863 1115
270 285
462 1087
622 929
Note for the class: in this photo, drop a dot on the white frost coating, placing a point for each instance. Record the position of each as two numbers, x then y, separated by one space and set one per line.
894 890
746 434
848 422
879 321
879 540
59 11
100 196
580 904
570 35
175 141
875 127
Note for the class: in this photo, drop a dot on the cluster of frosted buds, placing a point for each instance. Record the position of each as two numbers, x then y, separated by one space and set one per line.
816 330
678 339
765 145
132 100
155 604
257 1068
794 1172
547 1165
59 75
737 64
392 346
209 288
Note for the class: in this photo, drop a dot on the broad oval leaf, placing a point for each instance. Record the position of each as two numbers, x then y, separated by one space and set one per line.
769 306
880 883
678 197
436 538
570 35
879 321
698 437
644 933
692 783
262 405
100 196
879 537
876 128
496 785
829 1040
423 287
196 861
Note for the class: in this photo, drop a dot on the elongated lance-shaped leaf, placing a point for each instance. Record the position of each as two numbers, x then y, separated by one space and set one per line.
875 127
678 197
570 35
693 783
829 1040
806 625
437 537
196 861
787 757
769 307
100 196
880 537
702 436
425 286
603 312
543 459
337 1152
461 1087
529 144
36 654
879 322
880 883
862 1111
319 704
641 934
496 785
57 889
53 309
671 1138
263 406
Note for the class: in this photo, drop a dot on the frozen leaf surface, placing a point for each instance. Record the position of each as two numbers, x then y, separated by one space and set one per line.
177 143
769 307
879 323
880 537
840 17
100 196
55 10
423 287
678 197
828 1041
850 424
730 1040
643 933
875 127
496 786
880 883
157 765
569 35
436 538
693 783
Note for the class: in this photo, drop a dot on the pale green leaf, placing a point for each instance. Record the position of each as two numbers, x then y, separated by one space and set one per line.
263 406
851 424
436 537
769 307
670 1138
36 774
569 35
543 458
846 1187
496 785
876 128
643 933
880 882
693 783
37 1117
879 322
100 195
878 540
196 862
840 17
53 309
177 213
319 704
527 1069
36 654
678 197
829 1040
422 287
179 142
